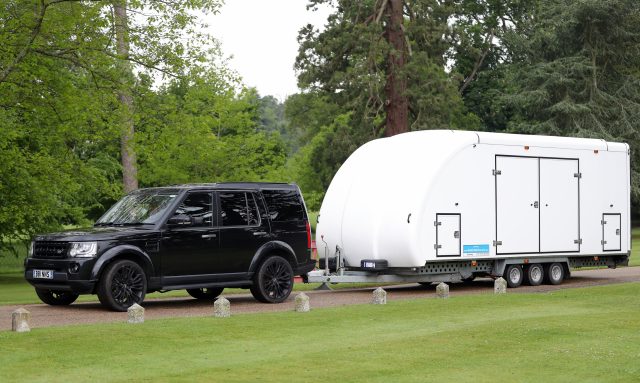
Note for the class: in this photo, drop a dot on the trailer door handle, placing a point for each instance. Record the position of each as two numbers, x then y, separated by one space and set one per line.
535 204
209 235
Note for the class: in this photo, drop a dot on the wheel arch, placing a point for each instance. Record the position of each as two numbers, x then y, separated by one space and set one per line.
129 252
273 248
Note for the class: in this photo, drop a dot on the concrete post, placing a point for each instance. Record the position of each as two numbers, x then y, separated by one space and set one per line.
222 308
20 320
135 314
379 296
302 303
500 286
442 290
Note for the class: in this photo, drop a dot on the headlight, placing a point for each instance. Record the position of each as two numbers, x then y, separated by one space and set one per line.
31 249
83 249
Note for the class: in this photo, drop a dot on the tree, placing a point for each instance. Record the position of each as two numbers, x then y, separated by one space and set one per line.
574 72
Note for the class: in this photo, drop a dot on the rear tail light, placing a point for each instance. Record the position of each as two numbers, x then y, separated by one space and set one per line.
308 235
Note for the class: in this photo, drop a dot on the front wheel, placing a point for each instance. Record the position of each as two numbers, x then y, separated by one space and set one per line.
122 284
210 293
56 298
273 281
514 275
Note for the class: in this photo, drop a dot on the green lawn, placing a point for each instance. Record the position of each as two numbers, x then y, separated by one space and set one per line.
581 335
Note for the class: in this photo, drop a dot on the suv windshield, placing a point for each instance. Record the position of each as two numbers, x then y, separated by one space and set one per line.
139 208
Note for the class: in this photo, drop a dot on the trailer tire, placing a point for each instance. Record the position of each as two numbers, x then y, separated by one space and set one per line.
514 275
554 273
534 274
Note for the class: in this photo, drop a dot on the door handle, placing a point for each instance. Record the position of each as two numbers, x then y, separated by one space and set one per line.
535 204
259 232
209 235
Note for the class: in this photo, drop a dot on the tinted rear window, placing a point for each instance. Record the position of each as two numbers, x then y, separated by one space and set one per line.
283 205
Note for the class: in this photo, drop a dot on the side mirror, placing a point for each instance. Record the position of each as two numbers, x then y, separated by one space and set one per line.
179 220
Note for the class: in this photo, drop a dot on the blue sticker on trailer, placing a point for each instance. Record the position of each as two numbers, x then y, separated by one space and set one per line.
472 250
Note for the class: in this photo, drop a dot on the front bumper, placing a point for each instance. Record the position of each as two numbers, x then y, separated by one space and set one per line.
65 278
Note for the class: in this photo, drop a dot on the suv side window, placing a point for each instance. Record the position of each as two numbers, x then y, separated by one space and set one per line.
198 207
238 209
283 205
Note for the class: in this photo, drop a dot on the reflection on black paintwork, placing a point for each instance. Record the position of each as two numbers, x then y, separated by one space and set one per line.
238 209
198 206
283 205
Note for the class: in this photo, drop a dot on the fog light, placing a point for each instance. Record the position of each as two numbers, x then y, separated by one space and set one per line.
74 267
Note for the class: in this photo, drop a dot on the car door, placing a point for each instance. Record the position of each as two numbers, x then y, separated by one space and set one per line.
189 248
242 230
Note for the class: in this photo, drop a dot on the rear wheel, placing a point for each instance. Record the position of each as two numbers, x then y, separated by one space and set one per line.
273 281
56 298
534 274
514 275
209 293
122 284
554 273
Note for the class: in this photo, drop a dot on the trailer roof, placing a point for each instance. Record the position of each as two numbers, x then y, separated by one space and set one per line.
548 141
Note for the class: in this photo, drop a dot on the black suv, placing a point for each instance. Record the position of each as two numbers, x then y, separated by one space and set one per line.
201 238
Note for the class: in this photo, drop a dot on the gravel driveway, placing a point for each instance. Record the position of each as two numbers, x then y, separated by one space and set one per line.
81 313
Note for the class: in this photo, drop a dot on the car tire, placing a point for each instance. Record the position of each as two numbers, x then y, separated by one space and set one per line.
554 273
273 280
514 275
534 274
56 298
206 293
122 284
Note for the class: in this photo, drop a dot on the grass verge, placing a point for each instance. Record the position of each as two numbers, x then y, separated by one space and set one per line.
584 335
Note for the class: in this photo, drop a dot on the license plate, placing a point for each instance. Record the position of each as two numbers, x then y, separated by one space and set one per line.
43 274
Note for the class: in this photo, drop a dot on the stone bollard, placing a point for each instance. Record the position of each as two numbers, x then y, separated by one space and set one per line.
500 286
222 308
135 313
379 296
20 320
302 303
442 290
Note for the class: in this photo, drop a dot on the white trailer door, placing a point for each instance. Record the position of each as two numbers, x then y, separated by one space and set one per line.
611 235
559 205
447 235
517 213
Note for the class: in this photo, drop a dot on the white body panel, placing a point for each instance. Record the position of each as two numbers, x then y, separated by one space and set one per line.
386 199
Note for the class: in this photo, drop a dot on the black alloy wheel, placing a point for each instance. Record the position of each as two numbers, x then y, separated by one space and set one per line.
123 283
56 298
273 281
206 293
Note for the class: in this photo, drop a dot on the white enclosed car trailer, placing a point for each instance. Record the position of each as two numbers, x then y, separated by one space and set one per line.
444 206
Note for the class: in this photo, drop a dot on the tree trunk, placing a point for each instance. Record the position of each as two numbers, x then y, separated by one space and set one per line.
127 150
397 104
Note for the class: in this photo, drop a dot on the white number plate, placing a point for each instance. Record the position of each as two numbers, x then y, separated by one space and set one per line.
43 274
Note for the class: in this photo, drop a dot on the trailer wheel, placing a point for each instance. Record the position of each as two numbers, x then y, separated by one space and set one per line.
534 274
514 275
554 273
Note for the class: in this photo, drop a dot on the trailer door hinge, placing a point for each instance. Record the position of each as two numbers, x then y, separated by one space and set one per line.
577 175
497 243
617 231
456 234
603 242
578 241
436 223
496 172
436 246
603 222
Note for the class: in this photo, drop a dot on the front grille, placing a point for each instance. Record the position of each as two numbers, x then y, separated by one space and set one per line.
48 249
